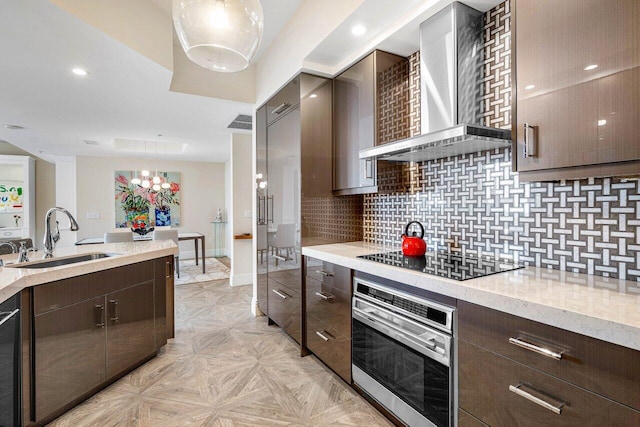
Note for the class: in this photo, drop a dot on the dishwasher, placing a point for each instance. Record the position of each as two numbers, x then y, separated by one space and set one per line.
10 362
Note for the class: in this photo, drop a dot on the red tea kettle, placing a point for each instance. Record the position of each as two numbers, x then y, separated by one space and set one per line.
413 245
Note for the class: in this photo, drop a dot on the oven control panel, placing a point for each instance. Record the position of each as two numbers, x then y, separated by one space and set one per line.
432 312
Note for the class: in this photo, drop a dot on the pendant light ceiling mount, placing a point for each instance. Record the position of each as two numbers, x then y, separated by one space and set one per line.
219 35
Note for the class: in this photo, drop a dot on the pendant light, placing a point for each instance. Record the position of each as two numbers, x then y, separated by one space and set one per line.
219 35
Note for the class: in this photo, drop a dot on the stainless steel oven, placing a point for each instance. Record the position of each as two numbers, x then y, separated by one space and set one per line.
402 353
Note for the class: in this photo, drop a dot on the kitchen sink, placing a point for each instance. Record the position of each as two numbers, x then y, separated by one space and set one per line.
57 262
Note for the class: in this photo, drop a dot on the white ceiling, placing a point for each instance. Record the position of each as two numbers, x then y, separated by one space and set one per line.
125 96
392 26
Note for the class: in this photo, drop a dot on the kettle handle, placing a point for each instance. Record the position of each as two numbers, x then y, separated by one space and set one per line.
406 229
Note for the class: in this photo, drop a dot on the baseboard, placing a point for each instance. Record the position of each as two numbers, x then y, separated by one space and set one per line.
255 309
241 279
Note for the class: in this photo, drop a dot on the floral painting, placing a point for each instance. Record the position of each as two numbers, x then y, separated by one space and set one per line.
139 207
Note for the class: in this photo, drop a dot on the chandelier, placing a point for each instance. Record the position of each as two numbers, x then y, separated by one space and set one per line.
219 35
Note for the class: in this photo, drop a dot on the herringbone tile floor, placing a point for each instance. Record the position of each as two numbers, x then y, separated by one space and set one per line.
225 368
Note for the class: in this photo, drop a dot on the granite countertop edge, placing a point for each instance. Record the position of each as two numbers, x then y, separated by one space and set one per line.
13 280
599 307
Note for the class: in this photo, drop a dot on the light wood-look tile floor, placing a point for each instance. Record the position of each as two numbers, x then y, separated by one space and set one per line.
225 368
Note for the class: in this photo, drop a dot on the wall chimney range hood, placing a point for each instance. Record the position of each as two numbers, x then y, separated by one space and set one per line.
451 60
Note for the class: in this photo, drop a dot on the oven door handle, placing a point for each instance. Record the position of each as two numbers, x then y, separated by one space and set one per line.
427 347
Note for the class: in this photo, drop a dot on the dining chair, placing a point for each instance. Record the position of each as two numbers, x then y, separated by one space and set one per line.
285 238
121 236
169 235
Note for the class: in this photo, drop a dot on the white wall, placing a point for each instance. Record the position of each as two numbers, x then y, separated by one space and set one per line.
66 198
241 212
202 188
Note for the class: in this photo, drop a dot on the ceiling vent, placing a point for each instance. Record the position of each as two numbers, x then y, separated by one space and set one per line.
243 122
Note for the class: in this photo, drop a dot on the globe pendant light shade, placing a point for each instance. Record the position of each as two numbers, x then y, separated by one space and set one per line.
219 35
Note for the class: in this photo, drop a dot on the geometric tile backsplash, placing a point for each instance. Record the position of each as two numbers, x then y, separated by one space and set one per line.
475 204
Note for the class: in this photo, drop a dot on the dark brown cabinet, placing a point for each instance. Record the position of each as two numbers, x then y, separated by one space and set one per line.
293 164
130 327
501 392
328 314
356 107
514 371
70 354
91 329
285 309
577 91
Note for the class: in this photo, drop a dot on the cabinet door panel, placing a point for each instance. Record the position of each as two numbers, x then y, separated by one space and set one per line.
484 391
331 346
130 327
607 369
70 349
329 305
578 83
354 115
285 309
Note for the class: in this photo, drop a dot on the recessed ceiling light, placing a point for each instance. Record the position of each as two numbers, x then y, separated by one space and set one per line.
80 72
591 67
602 122
90 142
358 30
13 127
529 87
313 95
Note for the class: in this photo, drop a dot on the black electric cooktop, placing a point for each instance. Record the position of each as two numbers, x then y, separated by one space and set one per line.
446 264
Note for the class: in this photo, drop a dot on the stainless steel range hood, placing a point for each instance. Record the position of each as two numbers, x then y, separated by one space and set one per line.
451 60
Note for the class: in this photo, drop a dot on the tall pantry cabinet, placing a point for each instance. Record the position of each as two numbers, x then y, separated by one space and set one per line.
293 163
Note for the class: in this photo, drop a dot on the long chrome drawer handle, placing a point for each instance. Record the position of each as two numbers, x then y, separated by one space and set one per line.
323 336
324 273
280 294
325 295
518 390
8 316
536 349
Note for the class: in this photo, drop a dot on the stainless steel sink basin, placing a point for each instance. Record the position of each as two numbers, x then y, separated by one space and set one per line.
57 262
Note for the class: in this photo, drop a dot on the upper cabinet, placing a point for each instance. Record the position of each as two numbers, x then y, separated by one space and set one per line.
17 197
577 88
356 117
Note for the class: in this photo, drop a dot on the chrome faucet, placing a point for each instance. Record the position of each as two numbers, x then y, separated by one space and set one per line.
24 253
50 239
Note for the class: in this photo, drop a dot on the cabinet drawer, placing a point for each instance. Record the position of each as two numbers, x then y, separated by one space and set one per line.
55 295
486 381
285 309
291 278
329 305
329 274
333 348
607 369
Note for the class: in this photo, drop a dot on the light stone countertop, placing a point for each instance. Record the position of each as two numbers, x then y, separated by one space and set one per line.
13 280
599 307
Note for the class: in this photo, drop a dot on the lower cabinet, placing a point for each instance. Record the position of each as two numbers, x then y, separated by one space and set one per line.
328 314
502 392
129 325
285 309
516 372
70 354
89 330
